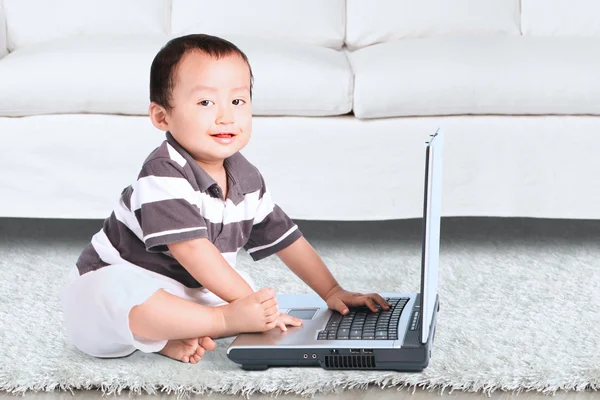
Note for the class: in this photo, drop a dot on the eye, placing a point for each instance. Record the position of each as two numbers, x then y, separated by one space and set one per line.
238 102
205 103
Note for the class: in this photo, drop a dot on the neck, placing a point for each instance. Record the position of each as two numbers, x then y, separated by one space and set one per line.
212 167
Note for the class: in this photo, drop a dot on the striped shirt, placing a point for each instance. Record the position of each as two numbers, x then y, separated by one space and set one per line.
173 200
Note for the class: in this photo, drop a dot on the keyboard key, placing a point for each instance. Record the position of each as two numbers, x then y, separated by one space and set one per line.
363 323
343 332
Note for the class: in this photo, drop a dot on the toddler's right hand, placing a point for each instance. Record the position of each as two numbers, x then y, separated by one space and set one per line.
257 312
285 319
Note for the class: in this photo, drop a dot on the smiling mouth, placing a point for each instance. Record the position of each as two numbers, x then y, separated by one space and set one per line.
223 135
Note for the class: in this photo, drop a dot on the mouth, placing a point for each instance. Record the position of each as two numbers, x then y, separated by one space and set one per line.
223 135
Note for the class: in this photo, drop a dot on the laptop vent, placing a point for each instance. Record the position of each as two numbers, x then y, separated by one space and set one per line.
349 362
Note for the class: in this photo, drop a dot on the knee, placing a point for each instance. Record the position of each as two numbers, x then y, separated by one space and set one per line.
86 305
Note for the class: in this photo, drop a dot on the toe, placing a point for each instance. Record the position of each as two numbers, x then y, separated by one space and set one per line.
185 359
207 343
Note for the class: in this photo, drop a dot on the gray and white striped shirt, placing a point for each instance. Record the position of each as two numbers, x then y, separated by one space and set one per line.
174 200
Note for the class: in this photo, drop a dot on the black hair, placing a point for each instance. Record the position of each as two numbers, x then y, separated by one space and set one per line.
162 70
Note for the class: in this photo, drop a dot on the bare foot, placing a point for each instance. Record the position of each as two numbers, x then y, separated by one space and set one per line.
188 350
256 312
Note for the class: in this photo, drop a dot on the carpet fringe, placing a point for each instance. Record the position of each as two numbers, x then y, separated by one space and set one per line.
246 390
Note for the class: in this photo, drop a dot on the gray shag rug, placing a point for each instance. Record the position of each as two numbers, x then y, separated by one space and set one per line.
519 310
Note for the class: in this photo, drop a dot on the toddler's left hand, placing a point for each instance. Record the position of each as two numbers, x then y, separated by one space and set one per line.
341 299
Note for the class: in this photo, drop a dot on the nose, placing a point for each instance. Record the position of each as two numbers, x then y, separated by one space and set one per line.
225 115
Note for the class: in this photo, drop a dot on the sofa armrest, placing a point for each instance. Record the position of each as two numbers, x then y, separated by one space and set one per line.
3 33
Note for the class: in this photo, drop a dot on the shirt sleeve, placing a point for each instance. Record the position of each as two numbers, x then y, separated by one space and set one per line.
272 230
166 206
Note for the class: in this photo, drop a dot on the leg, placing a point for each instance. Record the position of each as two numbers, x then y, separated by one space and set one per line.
95 311
167 316
97 305
180 313
186 325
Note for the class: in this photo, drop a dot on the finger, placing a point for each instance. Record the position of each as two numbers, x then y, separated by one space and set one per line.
340 307
271 310
272 318
289 320
270 325
380 300
371 304
281 325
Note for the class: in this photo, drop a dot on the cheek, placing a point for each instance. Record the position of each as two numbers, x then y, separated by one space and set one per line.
196 119
244 121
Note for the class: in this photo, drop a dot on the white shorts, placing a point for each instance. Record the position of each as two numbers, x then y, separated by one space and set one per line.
96 307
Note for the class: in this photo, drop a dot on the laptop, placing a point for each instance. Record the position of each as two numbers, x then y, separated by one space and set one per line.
400 339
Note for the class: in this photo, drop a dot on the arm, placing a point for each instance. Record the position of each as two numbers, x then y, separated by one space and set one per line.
206 264
303 260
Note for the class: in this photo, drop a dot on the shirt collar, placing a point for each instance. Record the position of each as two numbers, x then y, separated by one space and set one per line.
242 177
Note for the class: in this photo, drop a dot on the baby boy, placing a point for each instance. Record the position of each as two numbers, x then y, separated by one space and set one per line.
160 275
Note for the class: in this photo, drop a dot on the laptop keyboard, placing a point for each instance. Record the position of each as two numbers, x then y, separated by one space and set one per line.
363 324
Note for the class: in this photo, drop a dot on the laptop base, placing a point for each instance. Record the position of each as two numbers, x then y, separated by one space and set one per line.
412 357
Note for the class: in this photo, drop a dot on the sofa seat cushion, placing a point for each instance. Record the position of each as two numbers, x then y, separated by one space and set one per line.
477 75
110 75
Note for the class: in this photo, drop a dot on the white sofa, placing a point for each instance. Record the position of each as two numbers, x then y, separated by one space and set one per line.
346 93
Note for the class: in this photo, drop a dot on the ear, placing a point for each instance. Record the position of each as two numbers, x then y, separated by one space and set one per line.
158 116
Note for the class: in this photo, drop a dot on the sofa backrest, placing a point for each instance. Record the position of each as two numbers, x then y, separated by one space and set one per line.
377 21
316 22
34 21
3 49
329 23
560 17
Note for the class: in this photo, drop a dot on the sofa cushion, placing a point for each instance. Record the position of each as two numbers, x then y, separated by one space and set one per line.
561 17
107 74
314 22
3 49
477 75
110 74
378 21
35 21
298 79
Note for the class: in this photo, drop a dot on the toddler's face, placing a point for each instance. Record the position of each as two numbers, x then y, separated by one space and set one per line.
212 112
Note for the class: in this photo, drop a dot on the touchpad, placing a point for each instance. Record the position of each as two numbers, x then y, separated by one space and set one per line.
303 313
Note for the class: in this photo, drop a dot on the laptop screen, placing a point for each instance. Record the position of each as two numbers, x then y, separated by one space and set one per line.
432 205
